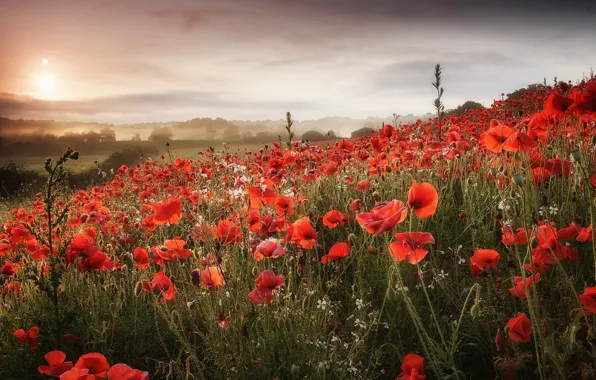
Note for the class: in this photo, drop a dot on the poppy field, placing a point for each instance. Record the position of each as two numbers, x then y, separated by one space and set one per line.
459 247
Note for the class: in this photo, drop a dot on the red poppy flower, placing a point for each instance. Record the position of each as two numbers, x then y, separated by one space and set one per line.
96 363
162 284
212 277
141 257
78 374
519 290
423 199
284 206
496 136
8 269
556 104
585 234
518 238
168 211
355 205
363 185
29 337
334 218
412 367
519 328
123 372
228 232
519 142
383 217
302 233
270 248
57 365
266 283
411 246
336 252
484 259
588 299
262 195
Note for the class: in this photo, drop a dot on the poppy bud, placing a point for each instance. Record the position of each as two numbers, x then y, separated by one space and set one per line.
518 179
371 250
352 239
195 277
577 155
376 196
494 171
475 311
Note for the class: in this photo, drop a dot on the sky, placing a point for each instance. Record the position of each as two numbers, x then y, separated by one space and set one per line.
128 61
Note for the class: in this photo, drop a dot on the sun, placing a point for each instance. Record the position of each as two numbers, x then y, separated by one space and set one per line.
46 85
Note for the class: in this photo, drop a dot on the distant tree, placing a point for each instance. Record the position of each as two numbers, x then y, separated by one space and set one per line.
231 133
247 136
136 138
314 136
532 87
107 135
92 137
469 105
363 132
331 135
161 134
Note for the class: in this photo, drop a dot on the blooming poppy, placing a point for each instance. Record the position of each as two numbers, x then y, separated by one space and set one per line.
141 257
8 269
363 185
519 328
588 299
410 246
303 233
122 371
334 218
412 367
168 211
78 374
496 136
267 281
510 238
519 290
284 206
95 363
162 284
383 217
270 248
57 365
212 277
336 252
519 141
355 205
29 337
484 259
423 198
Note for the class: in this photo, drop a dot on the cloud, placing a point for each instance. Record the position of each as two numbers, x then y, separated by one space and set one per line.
159 105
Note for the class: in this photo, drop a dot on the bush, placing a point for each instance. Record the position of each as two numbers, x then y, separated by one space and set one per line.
16 180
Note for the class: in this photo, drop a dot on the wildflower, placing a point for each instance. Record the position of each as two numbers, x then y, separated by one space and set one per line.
57 365
410 246
423 198
383 217
519 328
336 252
29 337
